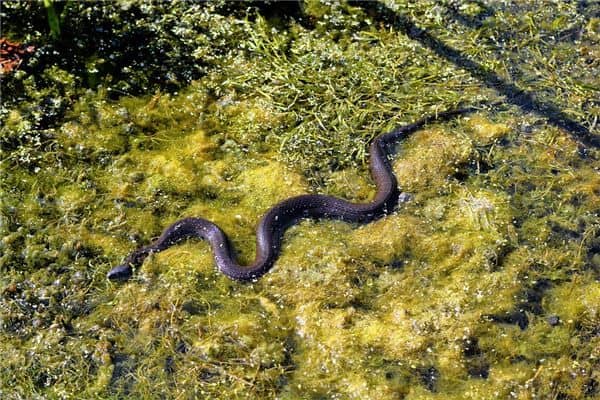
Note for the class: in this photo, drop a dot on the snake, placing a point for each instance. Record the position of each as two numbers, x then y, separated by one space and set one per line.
278 218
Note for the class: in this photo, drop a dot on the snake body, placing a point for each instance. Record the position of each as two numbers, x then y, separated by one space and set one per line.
286 213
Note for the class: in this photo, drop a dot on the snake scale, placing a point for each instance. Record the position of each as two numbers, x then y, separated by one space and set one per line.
286 213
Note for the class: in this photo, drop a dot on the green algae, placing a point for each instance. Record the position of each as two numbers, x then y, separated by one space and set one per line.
450 296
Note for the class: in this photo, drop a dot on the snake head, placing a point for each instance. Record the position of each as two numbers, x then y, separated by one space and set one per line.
120 273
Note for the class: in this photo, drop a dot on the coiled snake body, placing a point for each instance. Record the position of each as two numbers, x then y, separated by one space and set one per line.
284 214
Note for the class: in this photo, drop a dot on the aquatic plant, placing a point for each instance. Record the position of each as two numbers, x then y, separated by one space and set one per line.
53 20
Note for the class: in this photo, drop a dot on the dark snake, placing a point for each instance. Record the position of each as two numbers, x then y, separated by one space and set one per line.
286 213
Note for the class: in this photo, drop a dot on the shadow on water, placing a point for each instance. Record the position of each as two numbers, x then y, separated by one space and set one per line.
524 99
472 21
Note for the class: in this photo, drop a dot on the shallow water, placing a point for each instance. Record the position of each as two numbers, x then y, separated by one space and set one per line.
484 284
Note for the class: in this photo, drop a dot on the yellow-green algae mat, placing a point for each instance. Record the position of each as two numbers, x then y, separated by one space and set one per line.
485 284
419 300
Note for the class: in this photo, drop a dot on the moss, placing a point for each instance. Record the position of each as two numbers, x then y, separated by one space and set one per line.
432 158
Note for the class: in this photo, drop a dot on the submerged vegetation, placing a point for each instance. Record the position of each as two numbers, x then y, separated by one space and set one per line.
485 283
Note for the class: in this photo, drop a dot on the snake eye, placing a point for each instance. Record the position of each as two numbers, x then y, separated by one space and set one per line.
120 273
